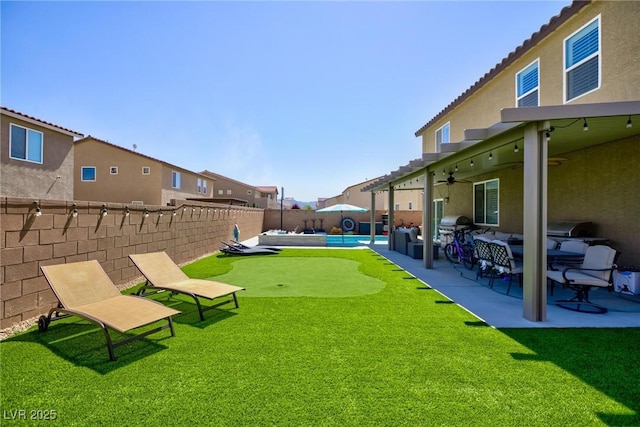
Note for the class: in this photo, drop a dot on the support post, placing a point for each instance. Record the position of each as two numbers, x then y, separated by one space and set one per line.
534 293
427 220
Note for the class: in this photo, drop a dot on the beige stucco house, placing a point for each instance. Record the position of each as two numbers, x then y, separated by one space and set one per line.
551 133
36 157
230 191
109 173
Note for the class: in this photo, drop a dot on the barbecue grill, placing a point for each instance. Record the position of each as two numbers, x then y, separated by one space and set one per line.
570 229
450 223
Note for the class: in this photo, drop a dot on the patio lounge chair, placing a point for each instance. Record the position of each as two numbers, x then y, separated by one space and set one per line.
240 245
237 250
595 271
163 274
83 289
483 255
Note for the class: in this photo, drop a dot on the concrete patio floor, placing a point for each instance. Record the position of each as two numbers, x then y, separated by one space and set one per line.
499 310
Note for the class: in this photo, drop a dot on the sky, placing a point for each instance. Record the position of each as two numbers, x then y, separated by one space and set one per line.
311 97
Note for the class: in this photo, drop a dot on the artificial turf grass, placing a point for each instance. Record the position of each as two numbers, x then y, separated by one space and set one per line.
396 357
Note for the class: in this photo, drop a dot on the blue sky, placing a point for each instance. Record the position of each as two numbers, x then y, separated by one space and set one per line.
309 96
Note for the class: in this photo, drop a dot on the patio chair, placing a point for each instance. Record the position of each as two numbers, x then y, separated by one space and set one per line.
594 272
483 254
235 243
163 274
239 249
83 289
504 263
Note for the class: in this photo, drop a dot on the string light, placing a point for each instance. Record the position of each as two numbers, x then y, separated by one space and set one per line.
38 210
471 163
145 213
515 148
585 126
490 155
456 168
104 211
629 124
160 214
126 211
74 211
173 213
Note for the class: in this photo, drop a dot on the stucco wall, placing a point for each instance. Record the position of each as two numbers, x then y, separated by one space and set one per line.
20 178
620 60
28 242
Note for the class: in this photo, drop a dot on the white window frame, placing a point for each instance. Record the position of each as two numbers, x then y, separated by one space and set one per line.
95 173
26 144
220 192
199 185
410 205
228 192
484 200
537 88
176 179
113 170
566 69
440 139
397 208
204 186
146 170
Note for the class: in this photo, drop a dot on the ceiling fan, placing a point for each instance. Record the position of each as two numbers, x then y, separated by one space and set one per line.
452 180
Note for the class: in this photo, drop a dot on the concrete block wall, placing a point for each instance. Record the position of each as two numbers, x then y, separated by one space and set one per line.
29 241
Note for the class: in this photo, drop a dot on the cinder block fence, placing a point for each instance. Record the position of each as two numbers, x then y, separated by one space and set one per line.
35 233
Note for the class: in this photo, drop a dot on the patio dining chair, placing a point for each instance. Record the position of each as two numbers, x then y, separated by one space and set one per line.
483 255
504 263
594 272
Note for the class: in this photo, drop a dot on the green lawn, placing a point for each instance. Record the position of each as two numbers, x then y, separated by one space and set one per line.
325 337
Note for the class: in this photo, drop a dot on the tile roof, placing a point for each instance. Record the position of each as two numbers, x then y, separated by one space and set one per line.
566 13
93 138
34 119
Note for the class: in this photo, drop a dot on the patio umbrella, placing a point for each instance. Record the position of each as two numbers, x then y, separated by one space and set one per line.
342 207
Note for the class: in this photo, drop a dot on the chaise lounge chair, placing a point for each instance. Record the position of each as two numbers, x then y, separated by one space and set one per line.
246 250
243 246
163 274
83 289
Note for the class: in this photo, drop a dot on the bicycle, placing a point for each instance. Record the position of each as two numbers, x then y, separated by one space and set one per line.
460 251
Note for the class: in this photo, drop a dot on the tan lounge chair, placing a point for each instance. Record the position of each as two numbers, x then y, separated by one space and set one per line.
163 274
83 289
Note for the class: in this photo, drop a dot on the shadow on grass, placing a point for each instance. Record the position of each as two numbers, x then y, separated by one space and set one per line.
606 359
83 344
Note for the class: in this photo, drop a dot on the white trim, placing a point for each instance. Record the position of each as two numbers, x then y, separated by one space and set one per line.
176 180
148 168
111 170
524 95
565 70
95 173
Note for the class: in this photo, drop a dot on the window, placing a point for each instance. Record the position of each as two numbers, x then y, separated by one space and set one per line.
486 203
438 210
228 191
220 192
442 135
25 144
146 170
88 173
199 185
175 179
113 170
410 205
249 192
204 186
527 82
397 208
582 61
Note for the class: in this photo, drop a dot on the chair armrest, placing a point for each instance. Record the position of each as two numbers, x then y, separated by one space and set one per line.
578 269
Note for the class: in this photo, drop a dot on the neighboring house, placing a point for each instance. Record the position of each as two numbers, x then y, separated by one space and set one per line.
110 173
266 197
551 133
36 157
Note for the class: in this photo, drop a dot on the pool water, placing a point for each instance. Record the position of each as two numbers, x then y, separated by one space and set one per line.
353 240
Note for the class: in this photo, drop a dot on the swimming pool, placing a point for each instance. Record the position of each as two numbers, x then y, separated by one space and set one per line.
353 240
